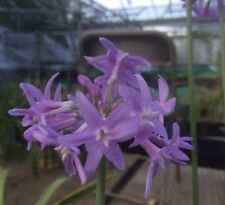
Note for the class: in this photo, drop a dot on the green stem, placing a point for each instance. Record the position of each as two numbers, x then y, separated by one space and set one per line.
109 94
222 35
100 190
191 83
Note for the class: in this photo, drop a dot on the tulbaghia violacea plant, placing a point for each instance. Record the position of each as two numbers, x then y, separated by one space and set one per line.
206 9
118 106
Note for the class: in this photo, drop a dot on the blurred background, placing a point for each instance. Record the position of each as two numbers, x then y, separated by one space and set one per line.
39 38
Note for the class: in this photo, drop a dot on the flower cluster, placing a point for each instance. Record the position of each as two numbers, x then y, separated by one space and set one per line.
118 106
206 9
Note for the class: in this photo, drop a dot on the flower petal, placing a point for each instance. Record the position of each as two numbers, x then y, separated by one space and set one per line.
108 44
69 165
158 132
85 81
88 111
144 132
139 61
152 169
20 112
43 138
163 89
185 145
145 92
169 105
47 91
77 138
180 156
119 114
124 130
176 131
100 62
80 170
58 95
128 78
28 134
132 96
114 154
34 92
93 159
29 95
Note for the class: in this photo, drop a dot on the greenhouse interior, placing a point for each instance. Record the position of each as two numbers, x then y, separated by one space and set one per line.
105 102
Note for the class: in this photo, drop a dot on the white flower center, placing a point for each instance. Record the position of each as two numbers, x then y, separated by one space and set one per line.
147 115
101 134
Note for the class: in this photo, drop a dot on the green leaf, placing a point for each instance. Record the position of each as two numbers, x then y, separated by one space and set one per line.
50 190
79 193
3 176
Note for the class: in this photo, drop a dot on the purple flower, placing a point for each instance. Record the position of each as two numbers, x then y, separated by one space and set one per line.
145 109
102 134
116 64
71 161
94 89
206 9
116 107
68 154
48 118
57 114
163 155
167 105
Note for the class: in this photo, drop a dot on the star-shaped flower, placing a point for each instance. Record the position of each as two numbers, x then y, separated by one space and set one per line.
102 134
116 64
163 153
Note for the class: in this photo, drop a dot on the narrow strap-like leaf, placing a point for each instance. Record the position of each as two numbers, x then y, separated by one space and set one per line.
3 176
50 190
79 193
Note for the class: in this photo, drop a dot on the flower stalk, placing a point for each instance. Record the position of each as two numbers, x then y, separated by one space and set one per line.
101 178
100 189
222 36
192 103
109 95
